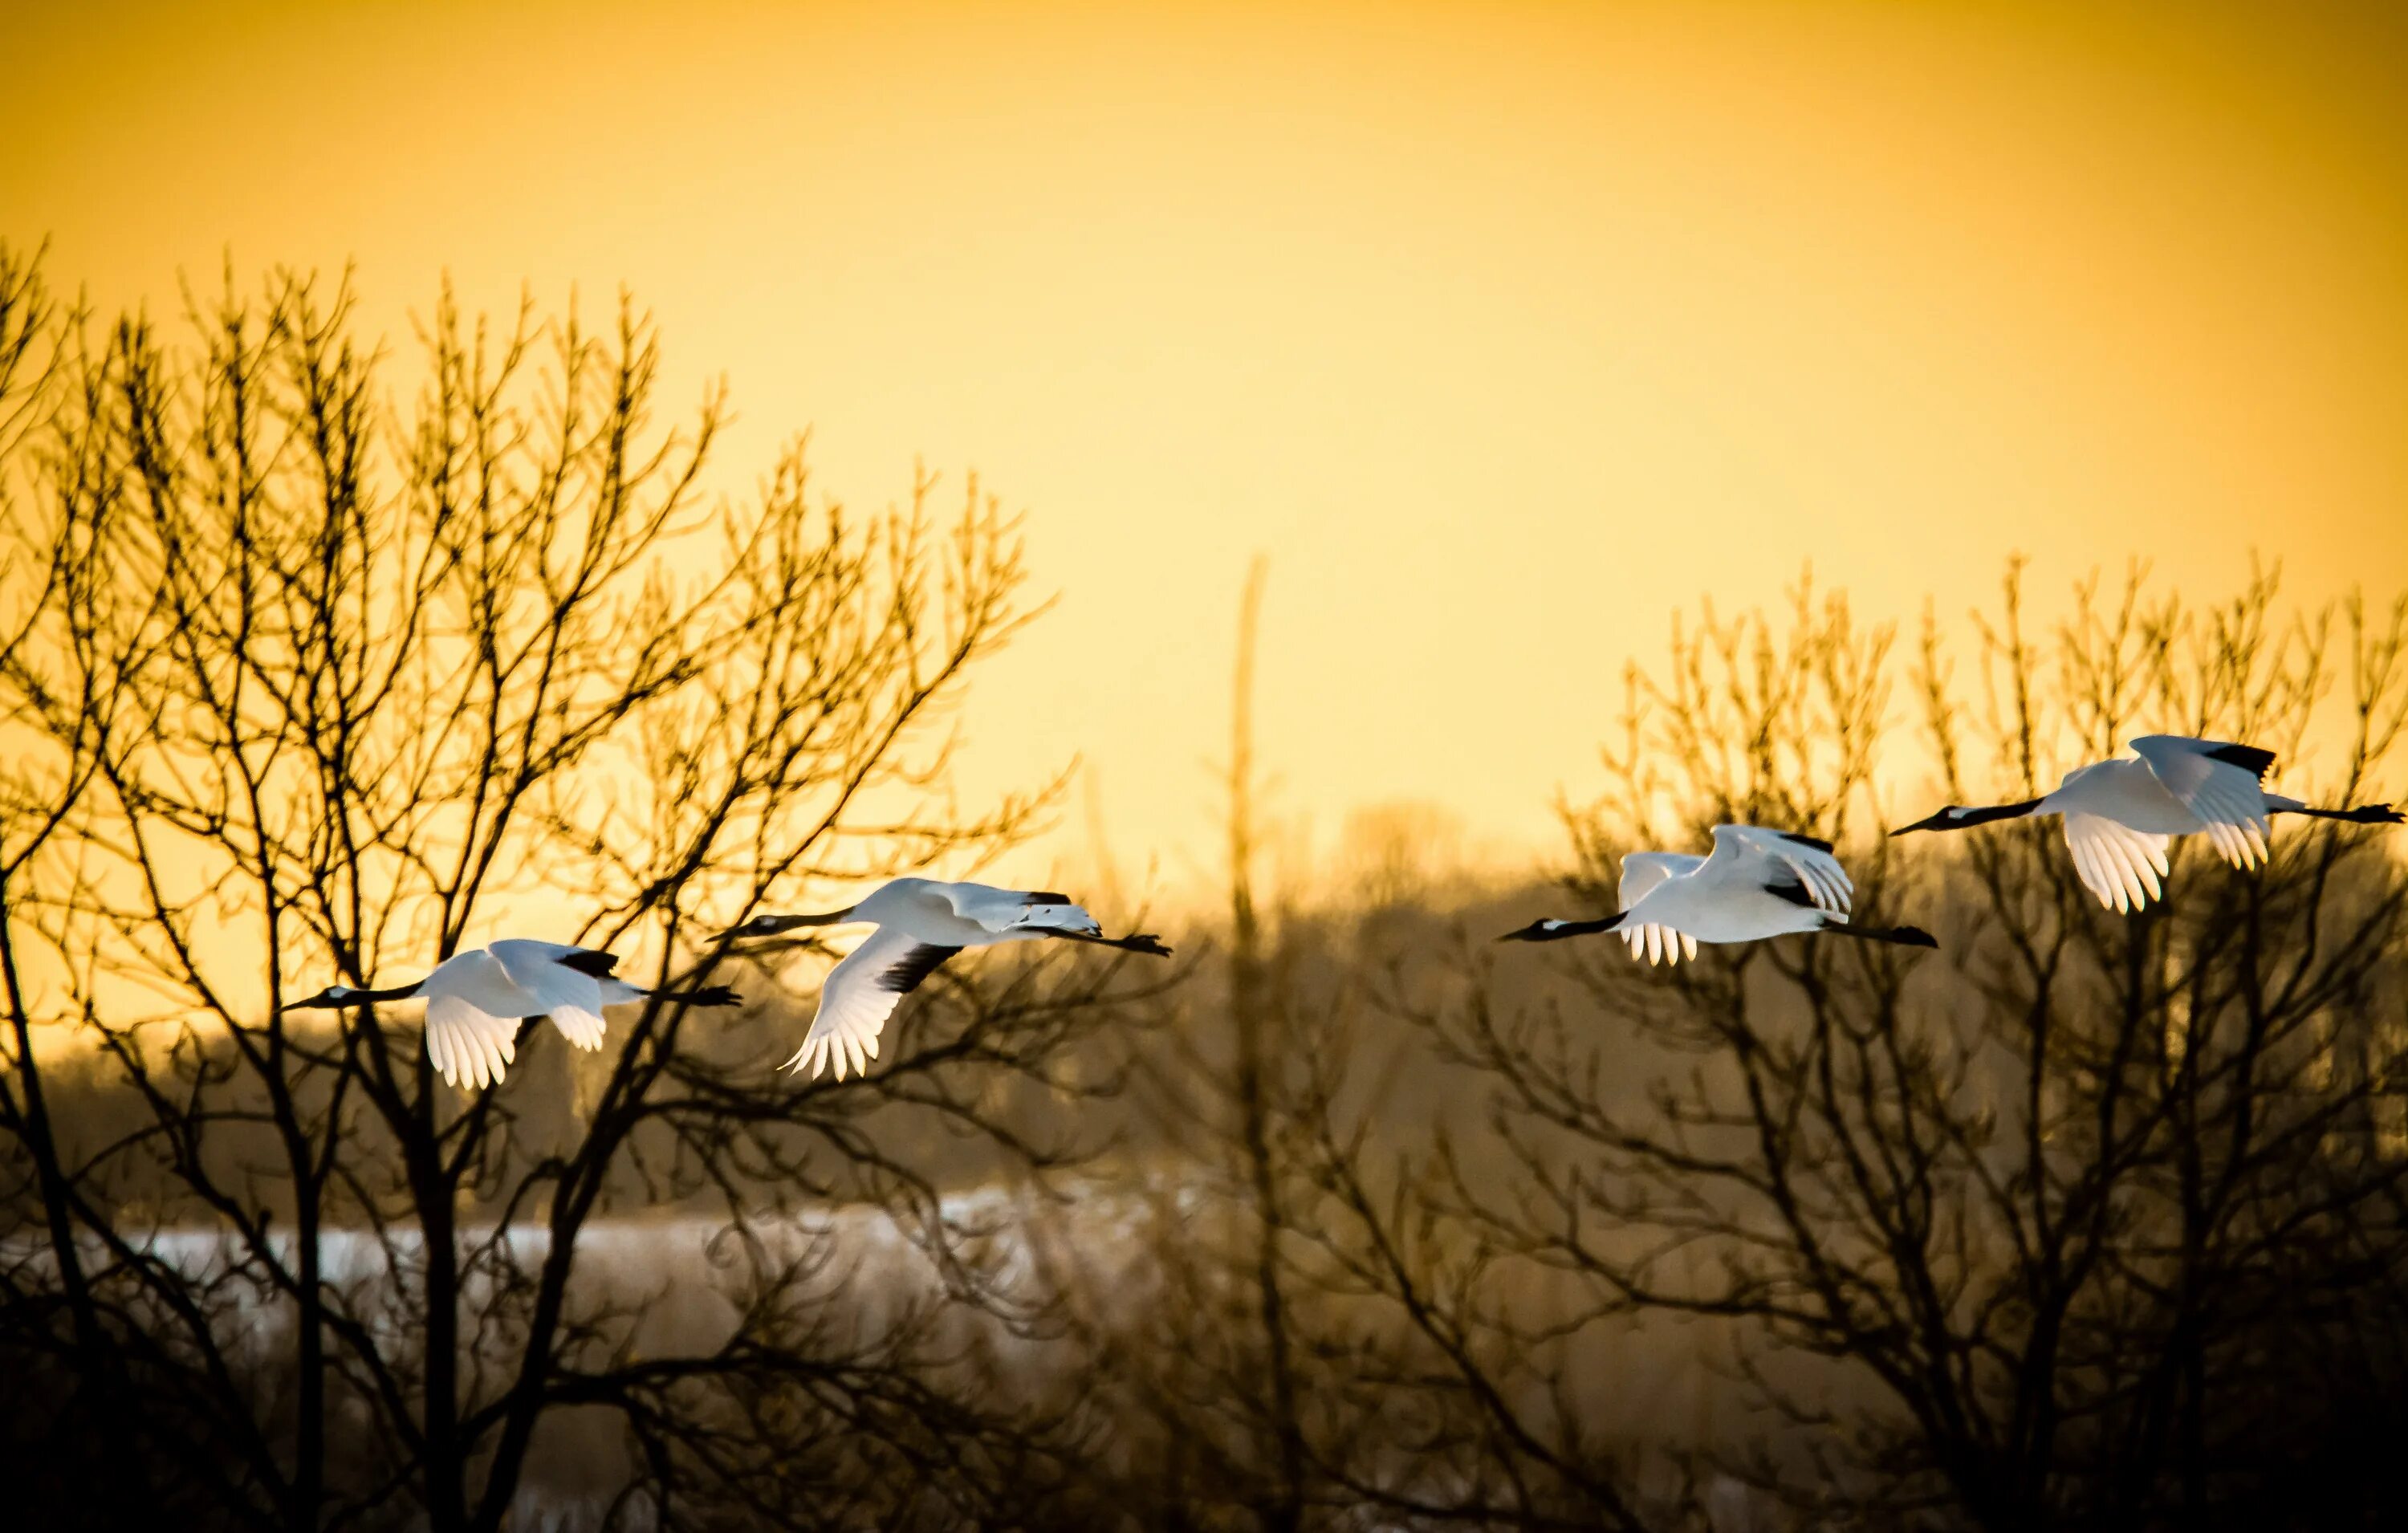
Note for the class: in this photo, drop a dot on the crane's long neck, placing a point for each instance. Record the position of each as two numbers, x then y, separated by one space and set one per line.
369 997
1995 811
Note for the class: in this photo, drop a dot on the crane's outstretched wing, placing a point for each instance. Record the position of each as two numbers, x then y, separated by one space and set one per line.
1641 872
859 994
1030 910
2119 864
566 982
2218 782
468 1043
1807 862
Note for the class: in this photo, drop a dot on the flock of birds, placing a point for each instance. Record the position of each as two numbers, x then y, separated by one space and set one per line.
2118 817
477 997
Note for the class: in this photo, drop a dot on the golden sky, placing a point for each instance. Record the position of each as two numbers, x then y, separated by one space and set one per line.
1504 331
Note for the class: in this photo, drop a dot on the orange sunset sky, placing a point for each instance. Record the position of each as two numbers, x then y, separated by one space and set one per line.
1504 331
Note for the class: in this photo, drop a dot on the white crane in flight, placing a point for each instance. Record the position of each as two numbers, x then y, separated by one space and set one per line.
476 998
920 923
2119 814
1757 884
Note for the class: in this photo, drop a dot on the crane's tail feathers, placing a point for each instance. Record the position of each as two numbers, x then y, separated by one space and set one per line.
1910 936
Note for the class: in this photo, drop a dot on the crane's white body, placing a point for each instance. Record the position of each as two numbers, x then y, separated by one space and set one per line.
476 998
920 923
1757 884
2120 814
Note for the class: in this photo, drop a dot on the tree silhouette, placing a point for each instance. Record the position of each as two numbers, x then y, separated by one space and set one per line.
302 686
2063 1215
2085 1221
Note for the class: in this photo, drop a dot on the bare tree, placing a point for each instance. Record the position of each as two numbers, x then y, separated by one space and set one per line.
306 687
2087 1221
1292 1343
2034 1235
1209 1362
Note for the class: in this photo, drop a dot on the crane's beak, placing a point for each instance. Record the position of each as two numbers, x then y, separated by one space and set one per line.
1934 822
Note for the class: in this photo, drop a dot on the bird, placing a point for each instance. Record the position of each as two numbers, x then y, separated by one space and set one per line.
2120 814
476 998
1757 884
920 923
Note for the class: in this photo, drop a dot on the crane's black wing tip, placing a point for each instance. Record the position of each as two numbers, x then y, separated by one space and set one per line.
904 975
587 961
2249 758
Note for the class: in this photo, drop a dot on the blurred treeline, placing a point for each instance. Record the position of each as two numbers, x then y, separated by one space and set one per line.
1343 1219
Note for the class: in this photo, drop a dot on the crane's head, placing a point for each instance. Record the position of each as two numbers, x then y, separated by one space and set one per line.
1537 931
774 926
333 999
1951 818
